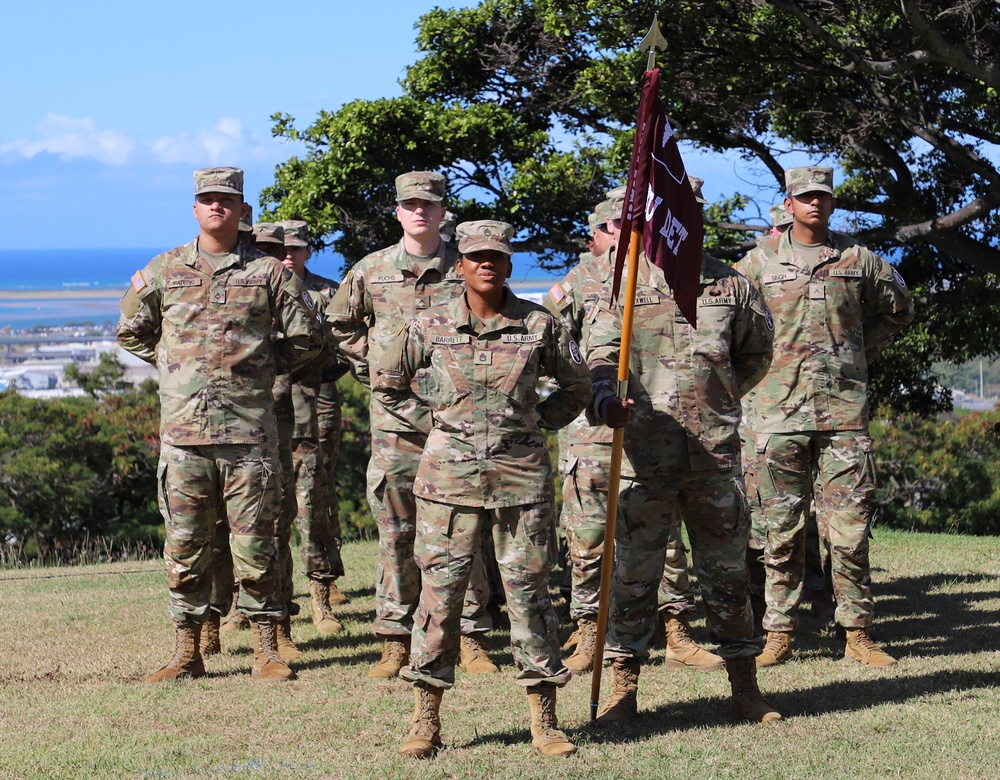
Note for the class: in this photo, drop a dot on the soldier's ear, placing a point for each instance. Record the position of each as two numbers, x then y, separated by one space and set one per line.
460 268
244 209
510 267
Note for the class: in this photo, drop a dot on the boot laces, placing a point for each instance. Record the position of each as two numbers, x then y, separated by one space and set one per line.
268 641
321 598
185 645
426 720
864 642
474 648
394 651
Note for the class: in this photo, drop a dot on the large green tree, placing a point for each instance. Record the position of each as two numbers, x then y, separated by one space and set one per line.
528 107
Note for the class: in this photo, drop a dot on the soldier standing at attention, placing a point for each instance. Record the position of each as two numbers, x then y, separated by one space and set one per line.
485 468
379 295
218 320
585 449
316 442
683 462
836 305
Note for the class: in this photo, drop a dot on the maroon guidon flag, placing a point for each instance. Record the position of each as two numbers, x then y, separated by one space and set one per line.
660 204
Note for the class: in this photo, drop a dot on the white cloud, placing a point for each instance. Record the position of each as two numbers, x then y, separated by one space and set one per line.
226 143
69 138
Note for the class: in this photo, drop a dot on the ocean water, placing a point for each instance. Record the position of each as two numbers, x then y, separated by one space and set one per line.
103 274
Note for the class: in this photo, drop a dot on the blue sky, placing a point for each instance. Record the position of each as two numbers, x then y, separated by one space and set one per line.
114 104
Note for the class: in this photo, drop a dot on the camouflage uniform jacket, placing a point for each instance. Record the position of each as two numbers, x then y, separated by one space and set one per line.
218 339
330 365
832 320
686 383
380 295
485 448
573 300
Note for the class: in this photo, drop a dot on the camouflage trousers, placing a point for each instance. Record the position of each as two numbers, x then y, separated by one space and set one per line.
321 540
449 540
834 472
817 556
713 508
198 485
583 517
391 472
675 597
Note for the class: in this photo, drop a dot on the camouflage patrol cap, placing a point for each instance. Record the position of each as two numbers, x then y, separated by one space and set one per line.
779 217
696 185
616 202
592 222
602 212
246 221
485 234
813 178
424 185
269 233
447 226
218 180
296 232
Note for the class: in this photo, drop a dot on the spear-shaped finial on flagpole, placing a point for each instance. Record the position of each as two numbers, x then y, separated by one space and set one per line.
654 40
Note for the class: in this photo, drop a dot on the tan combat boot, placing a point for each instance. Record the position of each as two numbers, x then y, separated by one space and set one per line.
322 617
747 702
267 664
424 738
286 647
235 621
210 644
777 649
683 652
337 597
622 705
473 657
582 659
572 640
186 661
394 656
545 734
862 649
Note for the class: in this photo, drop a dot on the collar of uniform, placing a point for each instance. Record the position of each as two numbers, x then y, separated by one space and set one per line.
832 250
512 314
237 257
440 261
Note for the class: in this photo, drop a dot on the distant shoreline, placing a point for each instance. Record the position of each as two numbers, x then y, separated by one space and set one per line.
83 294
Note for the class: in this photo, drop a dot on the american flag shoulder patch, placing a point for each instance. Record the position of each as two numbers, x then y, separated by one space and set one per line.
556 292
138 282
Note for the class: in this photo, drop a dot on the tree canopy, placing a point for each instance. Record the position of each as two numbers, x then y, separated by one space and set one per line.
528 107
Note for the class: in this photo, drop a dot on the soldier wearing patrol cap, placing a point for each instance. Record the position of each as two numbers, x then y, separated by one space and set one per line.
485 469
316 443
218 319
836 304
585 449
681 464
379 295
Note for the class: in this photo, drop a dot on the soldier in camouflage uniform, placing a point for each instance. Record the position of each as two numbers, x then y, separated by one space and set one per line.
485 468
379 295
218 320
585 449
836 305
675 597
683 459
315 444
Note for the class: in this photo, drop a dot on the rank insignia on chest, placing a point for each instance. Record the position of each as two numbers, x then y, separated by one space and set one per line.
218 295
816 291
484 357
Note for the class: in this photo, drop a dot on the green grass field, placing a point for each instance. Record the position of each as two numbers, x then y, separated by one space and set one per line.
76 642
